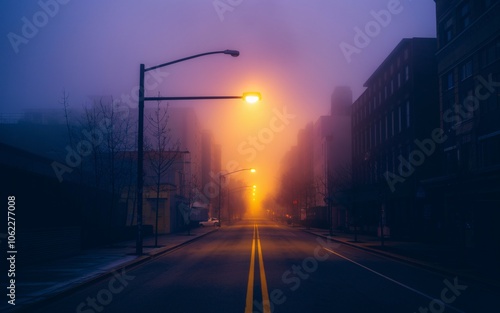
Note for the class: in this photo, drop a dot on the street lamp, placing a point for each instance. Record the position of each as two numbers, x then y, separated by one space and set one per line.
252 170
140 133
229 196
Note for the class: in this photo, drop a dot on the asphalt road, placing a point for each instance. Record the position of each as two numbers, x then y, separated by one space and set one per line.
260 266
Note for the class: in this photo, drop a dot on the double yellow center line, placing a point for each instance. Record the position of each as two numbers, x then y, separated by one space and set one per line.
256 247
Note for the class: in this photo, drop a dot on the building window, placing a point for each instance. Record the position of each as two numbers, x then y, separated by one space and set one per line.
399 119
386 128
465 15
406 54
392 124
380 131
407 72
385 92
485 4
449 80
449 30
392 86
399 79
407 113
488 56
489 151
466 70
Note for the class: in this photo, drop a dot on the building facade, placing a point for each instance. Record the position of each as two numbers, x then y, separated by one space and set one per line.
467 189
392 121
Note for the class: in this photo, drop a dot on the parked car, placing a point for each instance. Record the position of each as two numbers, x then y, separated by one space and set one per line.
211 222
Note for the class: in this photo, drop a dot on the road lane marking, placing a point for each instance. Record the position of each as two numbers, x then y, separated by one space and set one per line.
257 248
263 281
392 280
251 273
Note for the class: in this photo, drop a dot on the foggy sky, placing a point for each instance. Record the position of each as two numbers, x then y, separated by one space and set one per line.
290 52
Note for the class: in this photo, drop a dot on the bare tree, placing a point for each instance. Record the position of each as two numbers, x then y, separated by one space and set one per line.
162 151
111 134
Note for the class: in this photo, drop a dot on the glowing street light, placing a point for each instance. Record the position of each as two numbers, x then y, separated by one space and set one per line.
250 97
252 170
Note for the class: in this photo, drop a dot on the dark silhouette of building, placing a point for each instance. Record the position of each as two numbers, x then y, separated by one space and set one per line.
332 157
396 113
465 195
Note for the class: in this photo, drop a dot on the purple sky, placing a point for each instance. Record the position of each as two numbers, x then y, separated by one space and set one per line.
290 52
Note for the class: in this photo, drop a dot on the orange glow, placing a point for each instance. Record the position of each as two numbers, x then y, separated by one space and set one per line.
252 97
252 170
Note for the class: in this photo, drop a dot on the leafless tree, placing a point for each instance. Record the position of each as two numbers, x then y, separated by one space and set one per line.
162 152
110 132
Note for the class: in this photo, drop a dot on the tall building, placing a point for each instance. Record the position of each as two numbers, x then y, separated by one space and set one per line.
465 195
332 156
210 169
397 111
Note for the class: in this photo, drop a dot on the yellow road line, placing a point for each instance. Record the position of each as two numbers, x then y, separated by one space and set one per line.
263 282
251 273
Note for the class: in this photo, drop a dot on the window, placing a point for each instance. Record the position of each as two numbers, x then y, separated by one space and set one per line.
465 15
447 31
399 119
488 56
466 70
407 72
485 4
407 113
386 128
392 86
380 131
392 124
449 80
399 79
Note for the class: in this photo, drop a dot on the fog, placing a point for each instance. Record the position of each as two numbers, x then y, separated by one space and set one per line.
291 52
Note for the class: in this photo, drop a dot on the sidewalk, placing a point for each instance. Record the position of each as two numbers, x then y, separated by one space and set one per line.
37 283
446 260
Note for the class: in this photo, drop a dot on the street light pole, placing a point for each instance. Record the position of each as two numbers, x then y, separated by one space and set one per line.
249 97
140 159
229 202
220 189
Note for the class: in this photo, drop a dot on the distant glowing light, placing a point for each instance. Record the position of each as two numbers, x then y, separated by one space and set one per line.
252 170
252 97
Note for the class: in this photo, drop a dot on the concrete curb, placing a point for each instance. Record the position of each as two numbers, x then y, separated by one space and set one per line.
414 262
126 266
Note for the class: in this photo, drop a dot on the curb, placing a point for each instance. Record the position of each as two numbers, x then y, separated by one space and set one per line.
414 262
126 266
